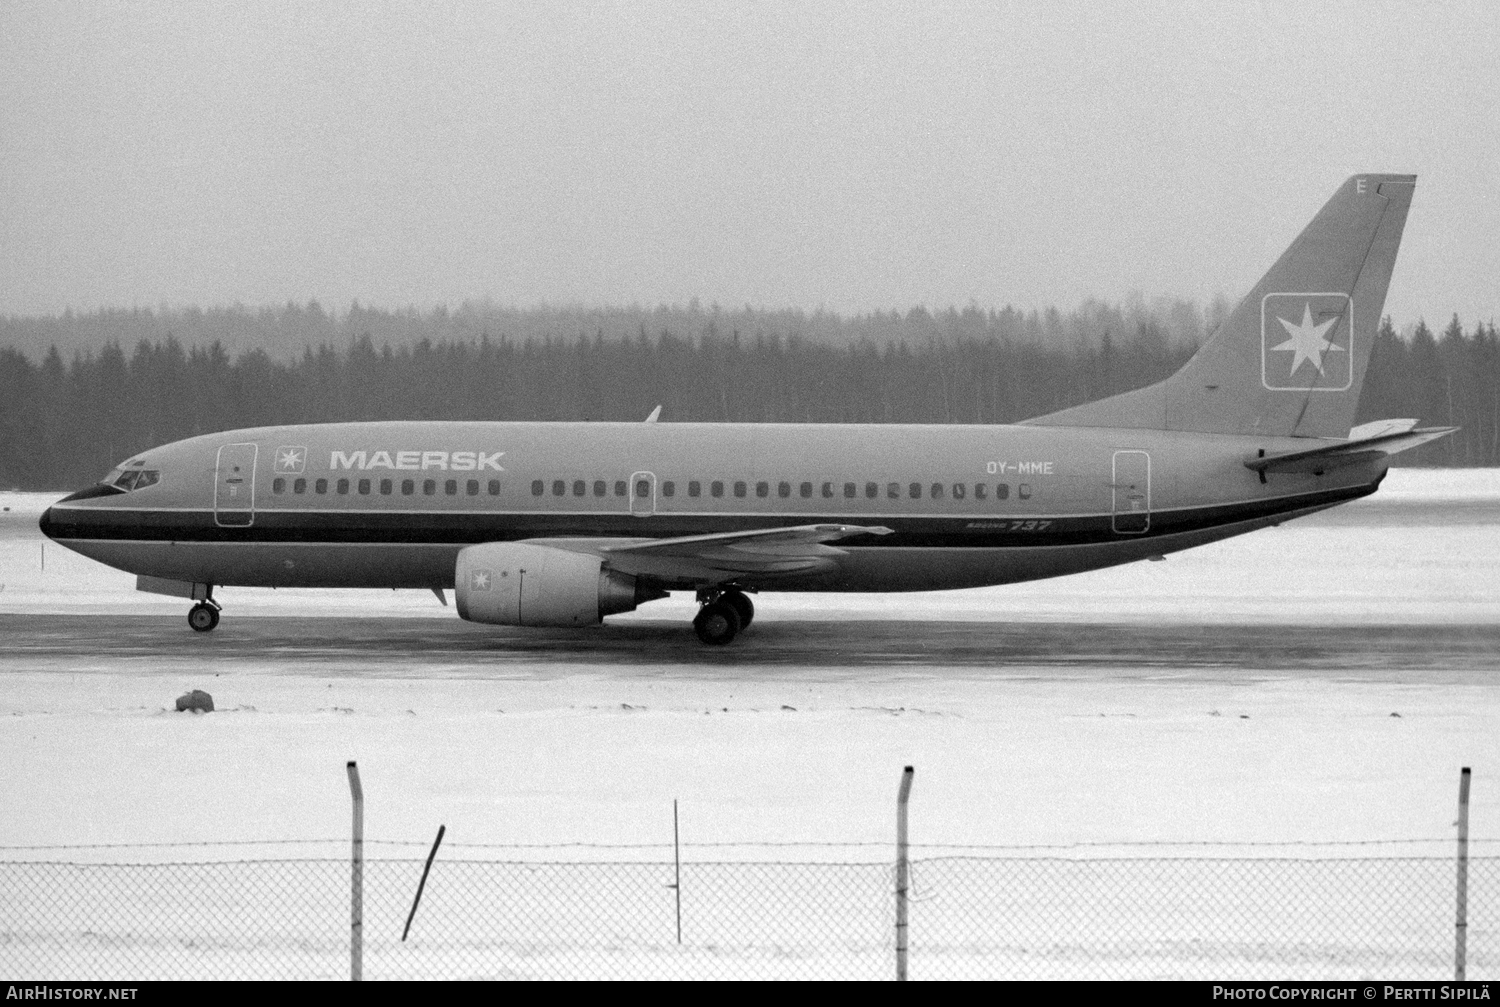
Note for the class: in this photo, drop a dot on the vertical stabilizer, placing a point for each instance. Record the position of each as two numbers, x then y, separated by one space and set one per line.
1291 358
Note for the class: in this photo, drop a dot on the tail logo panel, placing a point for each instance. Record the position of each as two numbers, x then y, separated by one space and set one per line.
1306 342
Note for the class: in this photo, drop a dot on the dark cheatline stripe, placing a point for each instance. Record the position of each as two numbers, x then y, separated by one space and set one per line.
458 528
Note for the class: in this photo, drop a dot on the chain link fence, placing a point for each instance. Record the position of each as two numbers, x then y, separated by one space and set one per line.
971 917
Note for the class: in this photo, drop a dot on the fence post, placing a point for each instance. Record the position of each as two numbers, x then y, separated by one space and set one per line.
1461 924
677 862
903 871
357 879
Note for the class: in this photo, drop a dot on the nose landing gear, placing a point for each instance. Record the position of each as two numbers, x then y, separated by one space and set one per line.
204 616
723 615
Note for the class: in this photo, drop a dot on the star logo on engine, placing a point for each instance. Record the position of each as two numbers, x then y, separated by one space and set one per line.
480 580
1306 342
291 460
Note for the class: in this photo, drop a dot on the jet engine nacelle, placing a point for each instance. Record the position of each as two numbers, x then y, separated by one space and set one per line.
521 584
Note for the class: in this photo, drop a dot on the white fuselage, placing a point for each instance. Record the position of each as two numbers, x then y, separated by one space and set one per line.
390 504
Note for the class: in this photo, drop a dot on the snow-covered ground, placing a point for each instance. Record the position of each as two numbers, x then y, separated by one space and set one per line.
595 753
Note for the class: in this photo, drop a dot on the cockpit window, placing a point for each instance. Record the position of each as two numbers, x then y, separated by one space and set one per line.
137 479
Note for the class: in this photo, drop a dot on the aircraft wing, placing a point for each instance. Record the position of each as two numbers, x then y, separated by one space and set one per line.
725 556
1366 443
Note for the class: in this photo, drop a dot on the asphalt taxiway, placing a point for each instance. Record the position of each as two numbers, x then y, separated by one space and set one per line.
441 648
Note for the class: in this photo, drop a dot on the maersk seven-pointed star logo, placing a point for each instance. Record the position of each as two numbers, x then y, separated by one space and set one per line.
291 460
480 580
1306 342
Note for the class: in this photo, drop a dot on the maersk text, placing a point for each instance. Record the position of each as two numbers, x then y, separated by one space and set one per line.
448 461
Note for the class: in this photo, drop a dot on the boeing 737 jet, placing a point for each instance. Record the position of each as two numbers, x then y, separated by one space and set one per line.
562 524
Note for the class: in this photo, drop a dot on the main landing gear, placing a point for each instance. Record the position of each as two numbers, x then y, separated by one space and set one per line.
723 615
204 616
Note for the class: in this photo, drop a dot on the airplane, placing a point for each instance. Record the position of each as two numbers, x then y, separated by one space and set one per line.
563 524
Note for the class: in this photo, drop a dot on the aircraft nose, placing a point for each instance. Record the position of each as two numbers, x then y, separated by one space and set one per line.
47 523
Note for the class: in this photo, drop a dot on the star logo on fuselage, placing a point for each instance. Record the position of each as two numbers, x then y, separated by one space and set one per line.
291 459
1308 340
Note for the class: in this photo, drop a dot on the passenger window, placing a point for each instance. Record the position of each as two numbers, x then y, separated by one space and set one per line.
850 490
1002 491
1024 491
805 490
559 488
643 488
580 488
668 488
537 488
385 487
872 490
320 487
278 485
599 488
429 487
695 488
620 487
451 487
981 491
716 488
828 491
783 490
494 487
763 489
364 487
343 487
739 488
958 491
914 491
408 487
893 491
299 486
937 491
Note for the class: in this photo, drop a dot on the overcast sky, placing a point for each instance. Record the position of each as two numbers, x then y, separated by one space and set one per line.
852 157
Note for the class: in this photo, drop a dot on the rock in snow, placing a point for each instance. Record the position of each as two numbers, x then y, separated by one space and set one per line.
198 701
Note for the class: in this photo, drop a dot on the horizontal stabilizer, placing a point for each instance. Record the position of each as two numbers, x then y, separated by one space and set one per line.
1366 443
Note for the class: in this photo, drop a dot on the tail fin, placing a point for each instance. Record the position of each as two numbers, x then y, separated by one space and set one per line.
1290 359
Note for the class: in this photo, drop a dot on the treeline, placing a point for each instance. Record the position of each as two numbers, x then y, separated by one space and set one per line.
64 422
285 332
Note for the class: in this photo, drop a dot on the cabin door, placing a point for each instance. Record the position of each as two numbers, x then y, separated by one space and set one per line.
642 494
1132 492
234 485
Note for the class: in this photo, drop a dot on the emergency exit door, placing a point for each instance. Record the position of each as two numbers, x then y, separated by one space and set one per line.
642 494
1132 492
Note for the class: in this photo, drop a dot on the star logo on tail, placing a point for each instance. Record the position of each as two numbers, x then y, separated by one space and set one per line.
1306 342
